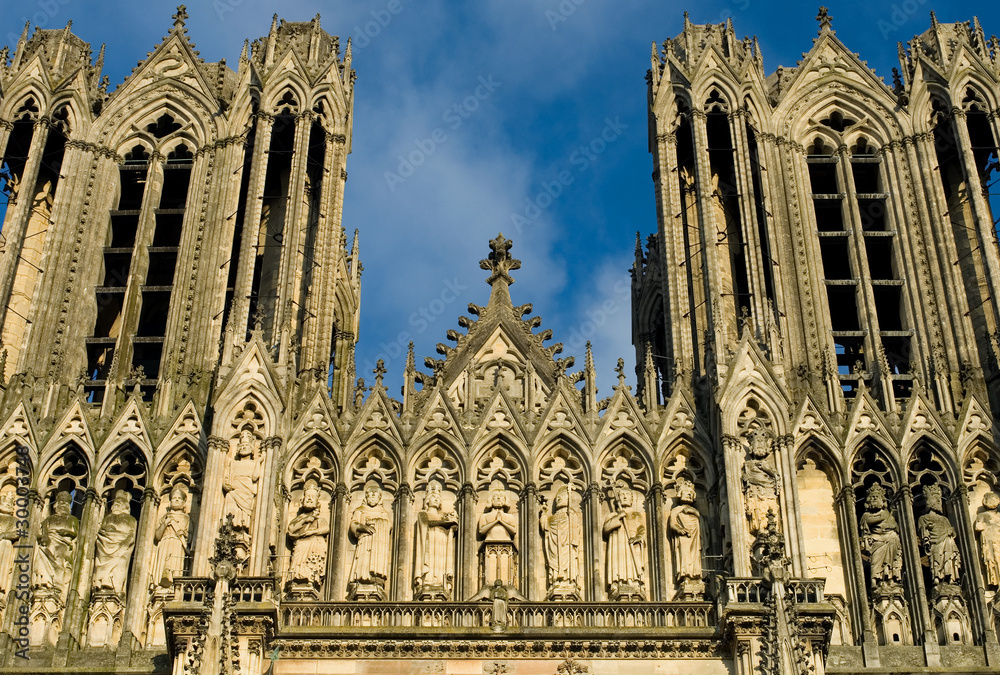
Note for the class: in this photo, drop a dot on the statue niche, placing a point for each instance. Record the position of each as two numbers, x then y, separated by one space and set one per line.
9 536
987 524
434 557
881 545
684 528
760 481
171 538
53 563
115 541
371 526
625 532
937 536
497 528
562 534
240 487
308 532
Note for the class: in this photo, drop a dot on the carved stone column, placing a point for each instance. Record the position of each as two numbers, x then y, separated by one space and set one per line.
732 449
138 588
337 546
531 549
402 589
860 613
210 512
911 563
660 546
593 560
468 559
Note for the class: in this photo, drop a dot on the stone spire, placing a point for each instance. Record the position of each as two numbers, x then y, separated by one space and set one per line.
499 264
179 18
825 21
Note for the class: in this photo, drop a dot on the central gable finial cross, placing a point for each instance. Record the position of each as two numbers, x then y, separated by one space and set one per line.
500 262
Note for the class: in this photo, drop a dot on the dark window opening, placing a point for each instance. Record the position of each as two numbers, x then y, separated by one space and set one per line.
176 178
873 215
888 307
880 258
836 261
843 308
866 176
109 313
147 355
15 158
761 211
161 267
153 314
837 121
897 354
168 229
163 126
123 229
851 363
264 292
132 178
240 215
726 195
823 178
829 215
313 190
116 266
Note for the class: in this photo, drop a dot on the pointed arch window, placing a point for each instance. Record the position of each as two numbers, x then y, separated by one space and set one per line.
861 271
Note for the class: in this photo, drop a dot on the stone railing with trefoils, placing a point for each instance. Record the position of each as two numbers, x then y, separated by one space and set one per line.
349 615
242 589
756 590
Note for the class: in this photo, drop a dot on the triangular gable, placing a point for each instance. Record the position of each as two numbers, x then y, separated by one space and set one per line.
439 417
975 423
19 428
562 417
920 419
173 60
130 426
624 416
810 421
376 417
713 60
317 420
749 370
73 427
252 374
186 427
679 418
499 418
865 419
830 56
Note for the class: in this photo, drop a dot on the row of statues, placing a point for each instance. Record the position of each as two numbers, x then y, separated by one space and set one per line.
435 535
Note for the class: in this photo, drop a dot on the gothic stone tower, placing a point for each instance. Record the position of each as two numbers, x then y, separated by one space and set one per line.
174 284
822 290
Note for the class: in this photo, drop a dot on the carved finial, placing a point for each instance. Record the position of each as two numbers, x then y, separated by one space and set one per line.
245 54
825 20
500 262
179 18
934 20
258 322
589 360
620 369
379 371
410 360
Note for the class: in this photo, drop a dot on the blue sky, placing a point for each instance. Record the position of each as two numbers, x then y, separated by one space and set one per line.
551 100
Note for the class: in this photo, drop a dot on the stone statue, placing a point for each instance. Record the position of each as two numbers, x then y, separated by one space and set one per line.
498 528
880 538
499 596
9 534
435 547
371 524
988 526
938 537
240 485
562 530
760 482
684 527
308 530
53 563
115 540
171 537
625 532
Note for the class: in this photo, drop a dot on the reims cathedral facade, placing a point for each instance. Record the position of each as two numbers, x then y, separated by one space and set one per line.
802 477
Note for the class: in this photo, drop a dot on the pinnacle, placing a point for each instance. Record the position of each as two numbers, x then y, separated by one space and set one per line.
499 263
